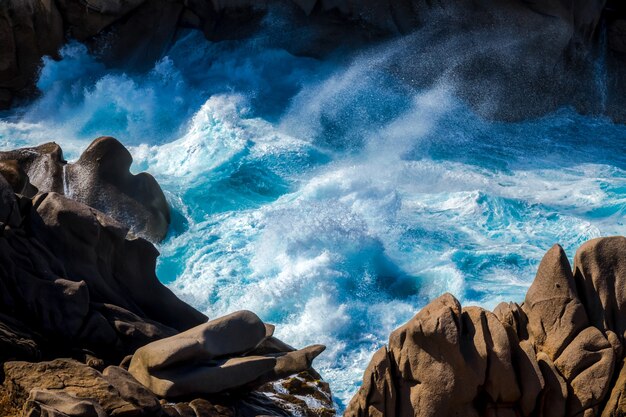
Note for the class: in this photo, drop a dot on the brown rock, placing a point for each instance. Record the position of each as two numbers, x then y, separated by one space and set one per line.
64 377
208 359
43 166
600 270
555 314
552 401
377 395
616 404
586 364
132 391
542 359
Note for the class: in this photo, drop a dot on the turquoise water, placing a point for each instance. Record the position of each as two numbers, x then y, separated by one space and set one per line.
329 197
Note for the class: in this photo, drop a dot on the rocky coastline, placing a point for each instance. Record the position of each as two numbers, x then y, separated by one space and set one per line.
559 353
79 296
86 328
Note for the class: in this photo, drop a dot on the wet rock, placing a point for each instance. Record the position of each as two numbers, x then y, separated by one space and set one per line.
101 179
43 166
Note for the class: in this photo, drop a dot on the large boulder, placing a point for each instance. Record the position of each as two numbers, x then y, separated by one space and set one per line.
101 179
215 357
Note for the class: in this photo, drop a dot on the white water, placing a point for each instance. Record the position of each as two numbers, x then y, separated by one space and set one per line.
328 197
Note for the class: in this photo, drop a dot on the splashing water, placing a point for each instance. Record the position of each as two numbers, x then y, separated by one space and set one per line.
328 197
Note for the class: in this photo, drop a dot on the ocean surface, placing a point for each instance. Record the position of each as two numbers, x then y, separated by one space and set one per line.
327 196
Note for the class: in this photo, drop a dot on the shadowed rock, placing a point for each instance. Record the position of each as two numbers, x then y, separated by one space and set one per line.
101 179
75 284
211 358
532 56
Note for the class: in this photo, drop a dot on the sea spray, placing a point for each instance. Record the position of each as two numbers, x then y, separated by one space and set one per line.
328 196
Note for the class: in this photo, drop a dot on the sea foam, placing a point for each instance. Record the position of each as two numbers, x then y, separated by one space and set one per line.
329 197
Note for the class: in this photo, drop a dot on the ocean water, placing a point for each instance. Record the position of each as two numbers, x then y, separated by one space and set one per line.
329 197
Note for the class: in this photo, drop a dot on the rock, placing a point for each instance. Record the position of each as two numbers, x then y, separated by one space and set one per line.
43 166
601 271
131 390
29 29
555 314
16 342
14 175
548 67
74 283
59 404
143 36
83 22
101 179
554 356
118 271
64 381
208 359
616 405
6 98
9 210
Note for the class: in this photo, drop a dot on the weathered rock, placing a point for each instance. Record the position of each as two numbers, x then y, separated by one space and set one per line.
74 283
45 403
208 359
601 271
131 390
16 342
554 356
43 166
555 314
118 271
101 179
62 378
552 57
29 29
616 404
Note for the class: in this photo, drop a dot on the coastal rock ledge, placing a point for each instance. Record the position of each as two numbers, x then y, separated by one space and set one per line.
559 353
87 329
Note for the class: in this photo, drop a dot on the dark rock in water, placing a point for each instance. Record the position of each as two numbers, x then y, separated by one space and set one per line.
559 354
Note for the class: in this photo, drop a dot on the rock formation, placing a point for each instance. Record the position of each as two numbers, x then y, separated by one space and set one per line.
79 296
558 354
100 179
533 56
